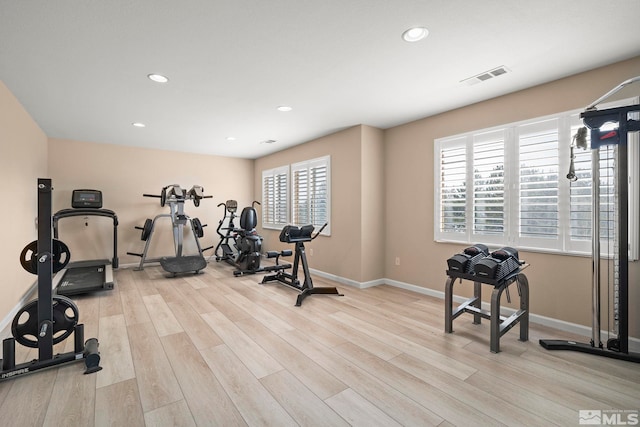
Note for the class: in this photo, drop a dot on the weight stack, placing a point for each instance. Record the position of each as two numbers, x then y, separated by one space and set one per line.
465 261
498 265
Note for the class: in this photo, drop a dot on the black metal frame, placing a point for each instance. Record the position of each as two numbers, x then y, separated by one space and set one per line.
617 348
291 279
46 359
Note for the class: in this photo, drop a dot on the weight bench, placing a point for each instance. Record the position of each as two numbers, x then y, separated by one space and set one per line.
500 325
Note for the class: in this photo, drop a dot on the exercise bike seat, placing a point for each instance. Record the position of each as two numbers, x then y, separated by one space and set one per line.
248 219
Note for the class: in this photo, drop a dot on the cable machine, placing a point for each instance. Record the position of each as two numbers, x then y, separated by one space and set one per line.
616 139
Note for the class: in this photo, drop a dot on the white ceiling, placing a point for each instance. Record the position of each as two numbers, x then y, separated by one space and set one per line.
79 67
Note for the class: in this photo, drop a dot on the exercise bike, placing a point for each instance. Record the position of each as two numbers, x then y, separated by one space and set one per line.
241 247
175 197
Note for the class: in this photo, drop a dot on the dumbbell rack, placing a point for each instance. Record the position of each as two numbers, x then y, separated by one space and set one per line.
500 325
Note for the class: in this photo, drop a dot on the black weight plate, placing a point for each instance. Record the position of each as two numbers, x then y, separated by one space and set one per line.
61 255
65 319
146 231
197 227
196 201
163 197
29 256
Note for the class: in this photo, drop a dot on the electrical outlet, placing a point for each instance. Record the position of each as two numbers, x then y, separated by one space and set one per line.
397 260
311 251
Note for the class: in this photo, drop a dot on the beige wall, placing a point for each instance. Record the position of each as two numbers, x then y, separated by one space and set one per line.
339 254
372 218
23 159
560 285
123 174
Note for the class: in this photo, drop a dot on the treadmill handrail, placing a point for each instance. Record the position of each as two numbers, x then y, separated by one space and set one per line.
108 213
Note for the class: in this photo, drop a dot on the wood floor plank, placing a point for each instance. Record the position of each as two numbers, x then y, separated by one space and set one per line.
610 398
257 406
175 414
358 411
72 398
257 360
157 383
119 405
257 312
29 399
161 315
400 405
306 408
133 307
115 352
199 385
317 379
194 325
459 370
500 409
541 406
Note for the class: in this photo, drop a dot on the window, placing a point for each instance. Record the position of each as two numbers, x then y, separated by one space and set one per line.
310 193
274 197
300 199
507 186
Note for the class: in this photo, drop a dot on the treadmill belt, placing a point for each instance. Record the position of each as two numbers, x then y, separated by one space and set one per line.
79 280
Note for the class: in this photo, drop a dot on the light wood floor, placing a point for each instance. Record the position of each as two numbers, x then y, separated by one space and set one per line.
217 350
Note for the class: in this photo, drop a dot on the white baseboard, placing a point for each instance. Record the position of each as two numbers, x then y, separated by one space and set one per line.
573 328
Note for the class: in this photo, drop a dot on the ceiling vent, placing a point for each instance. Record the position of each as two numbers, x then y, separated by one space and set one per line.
487 75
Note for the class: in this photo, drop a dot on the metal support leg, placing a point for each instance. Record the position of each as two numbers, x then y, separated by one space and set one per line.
477 293
448 305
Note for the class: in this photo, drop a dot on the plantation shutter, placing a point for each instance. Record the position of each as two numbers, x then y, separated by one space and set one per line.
453 198
488 184
274 197
310 192
538 181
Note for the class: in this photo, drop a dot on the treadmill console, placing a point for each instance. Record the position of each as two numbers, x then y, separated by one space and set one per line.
86 199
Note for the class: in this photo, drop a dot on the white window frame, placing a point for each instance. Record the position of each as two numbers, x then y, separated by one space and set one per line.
564 243
269 205
308 165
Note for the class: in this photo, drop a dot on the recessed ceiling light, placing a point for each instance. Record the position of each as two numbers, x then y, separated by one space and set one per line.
139 125
284 108
158 78
415 34
230 138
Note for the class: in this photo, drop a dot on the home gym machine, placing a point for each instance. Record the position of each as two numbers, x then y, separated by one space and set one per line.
241 247
81 277
298 236
618 255
49 319
175 197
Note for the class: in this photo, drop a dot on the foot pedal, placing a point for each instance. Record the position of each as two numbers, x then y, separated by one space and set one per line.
183 264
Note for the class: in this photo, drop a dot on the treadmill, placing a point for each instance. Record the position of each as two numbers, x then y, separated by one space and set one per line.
83 277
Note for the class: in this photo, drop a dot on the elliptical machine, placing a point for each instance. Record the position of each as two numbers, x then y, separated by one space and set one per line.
175 196
241 247
226 248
